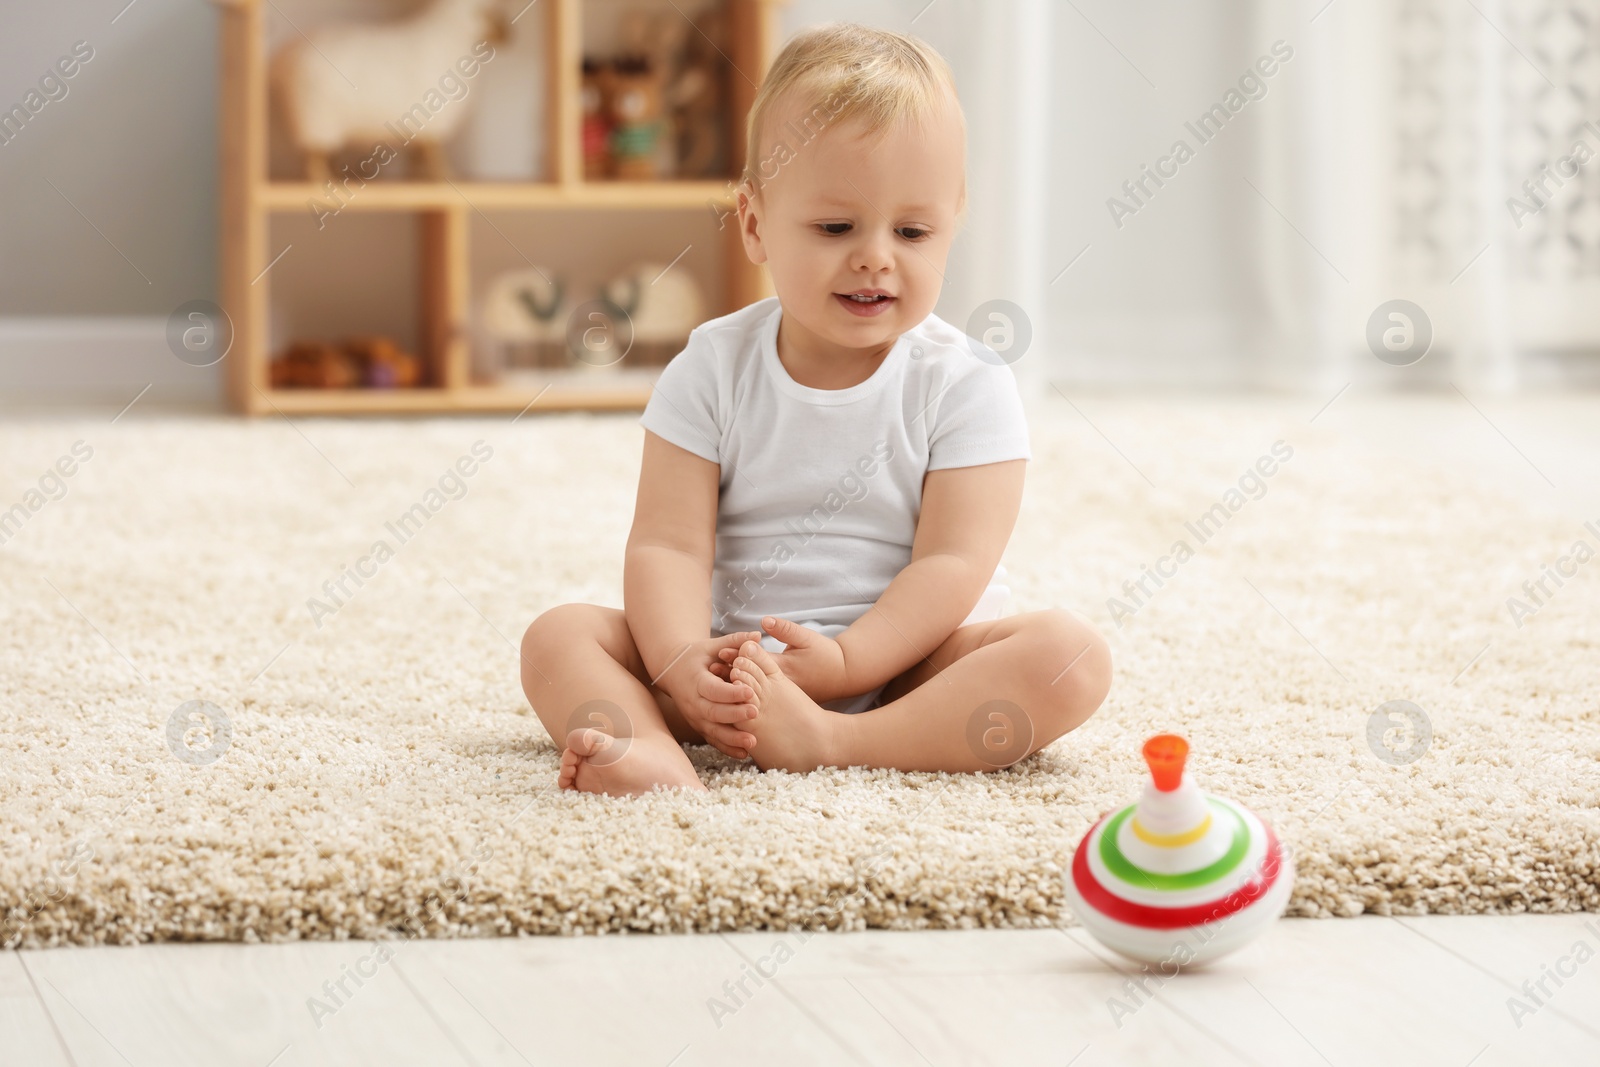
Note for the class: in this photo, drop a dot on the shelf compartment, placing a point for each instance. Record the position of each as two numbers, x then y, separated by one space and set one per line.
499 122
417 254
667 66
523 252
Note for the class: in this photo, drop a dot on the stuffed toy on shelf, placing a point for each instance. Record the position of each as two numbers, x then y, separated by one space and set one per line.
696 96
661 307
638 125
357 83
523 323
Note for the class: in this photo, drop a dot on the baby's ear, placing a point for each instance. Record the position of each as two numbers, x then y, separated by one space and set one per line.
744 195
750 211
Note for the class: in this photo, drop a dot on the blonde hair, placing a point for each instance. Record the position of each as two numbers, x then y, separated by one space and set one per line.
843 70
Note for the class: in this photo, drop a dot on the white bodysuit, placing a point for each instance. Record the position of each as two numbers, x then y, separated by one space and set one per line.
821 488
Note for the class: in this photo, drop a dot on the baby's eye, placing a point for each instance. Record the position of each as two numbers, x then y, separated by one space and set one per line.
834 228
912 233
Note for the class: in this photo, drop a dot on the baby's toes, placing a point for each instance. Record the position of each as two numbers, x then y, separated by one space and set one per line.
567 778
585 742
763 659
745 671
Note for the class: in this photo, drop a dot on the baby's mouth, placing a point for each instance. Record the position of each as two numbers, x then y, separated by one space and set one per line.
865 303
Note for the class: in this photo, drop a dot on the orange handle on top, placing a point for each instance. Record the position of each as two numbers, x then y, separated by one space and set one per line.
1166 753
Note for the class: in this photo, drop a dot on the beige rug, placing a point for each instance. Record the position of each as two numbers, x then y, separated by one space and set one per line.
373 765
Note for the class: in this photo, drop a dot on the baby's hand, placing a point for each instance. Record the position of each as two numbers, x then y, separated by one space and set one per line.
813 662
707 700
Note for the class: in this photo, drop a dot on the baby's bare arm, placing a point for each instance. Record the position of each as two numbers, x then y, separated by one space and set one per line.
967 517
666 578
667 570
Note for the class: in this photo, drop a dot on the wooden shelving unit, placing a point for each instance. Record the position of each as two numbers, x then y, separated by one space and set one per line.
250 200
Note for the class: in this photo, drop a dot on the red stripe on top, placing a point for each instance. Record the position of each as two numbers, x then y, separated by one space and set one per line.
1150 917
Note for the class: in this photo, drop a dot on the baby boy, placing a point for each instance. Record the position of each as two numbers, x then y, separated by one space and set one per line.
829 479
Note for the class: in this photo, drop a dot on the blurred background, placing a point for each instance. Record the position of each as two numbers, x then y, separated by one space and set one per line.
1240 196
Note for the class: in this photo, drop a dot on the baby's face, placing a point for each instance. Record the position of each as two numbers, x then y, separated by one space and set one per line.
850 212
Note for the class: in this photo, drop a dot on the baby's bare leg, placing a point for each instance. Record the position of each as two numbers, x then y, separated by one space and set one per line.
586 682
994 693
989 695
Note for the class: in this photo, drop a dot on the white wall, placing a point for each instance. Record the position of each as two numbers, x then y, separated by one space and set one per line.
131 234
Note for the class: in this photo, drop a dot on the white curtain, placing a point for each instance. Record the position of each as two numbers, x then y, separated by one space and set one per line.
1376 164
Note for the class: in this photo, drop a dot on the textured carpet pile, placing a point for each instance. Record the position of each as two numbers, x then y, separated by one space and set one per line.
371 765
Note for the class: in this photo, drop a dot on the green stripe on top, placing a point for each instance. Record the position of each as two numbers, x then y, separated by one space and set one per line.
1129 872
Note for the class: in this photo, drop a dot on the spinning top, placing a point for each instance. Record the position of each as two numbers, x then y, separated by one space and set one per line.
1179 878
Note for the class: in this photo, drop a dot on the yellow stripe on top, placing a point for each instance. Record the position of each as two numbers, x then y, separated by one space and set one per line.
1188 837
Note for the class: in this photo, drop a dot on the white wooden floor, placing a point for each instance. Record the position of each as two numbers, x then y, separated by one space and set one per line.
1363 991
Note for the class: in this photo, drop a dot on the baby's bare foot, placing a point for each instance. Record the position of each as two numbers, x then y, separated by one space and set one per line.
596 762
793 732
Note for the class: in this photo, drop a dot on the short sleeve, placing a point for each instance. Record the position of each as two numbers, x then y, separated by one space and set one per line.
682 408
978 418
